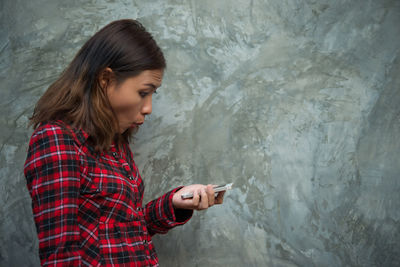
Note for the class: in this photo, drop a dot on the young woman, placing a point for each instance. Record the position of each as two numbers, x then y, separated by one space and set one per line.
85 186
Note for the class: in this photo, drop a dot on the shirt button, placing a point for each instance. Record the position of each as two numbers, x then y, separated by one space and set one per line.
130 177
114 154
145 241
138 208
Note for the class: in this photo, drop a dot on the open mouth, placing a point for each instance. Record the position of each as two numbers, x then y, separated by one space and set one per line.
136 124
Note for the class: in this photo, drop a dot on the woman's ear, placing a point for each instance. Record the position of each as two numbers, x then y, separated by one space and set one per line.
105 77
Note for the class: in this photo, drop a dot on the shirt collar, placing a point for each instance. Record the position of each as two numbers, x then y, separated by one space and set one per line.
79 134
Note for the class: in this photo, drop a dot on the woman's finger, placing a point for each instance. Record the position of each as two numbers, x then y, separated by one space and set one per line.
220 197
210 195
204 199
196 198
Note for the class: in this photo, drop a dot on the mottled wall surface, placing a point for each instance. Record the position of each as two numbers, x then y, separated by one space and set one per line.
295 101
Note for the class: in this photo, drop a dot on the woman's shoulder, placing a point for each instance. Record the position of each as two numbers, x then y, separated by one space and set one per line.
51 141
53 131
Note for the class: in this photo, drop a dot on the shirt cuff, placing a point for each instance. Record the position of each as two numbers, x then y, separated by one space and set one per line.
161 216
177 216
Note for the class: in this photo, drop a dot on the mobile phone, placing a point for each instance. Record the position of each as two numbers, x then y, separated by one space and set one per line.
217 188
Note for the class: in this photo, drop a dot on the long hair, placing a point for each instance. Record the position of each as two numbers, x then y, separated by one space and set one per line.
77 98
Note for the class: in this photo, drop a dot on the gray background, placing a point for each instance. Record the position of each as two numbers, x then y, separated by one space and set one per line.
296 102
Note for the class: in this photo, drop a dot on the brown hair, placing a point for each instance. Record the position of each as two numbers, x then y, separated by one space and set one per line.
77 97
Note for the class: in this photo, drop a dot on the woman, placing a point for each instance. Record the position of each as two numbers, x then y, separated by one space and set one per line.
85 186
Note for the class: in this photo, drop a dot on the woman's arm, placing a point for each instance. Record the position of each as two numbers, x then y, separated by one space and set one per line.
170 210
161 216
53 179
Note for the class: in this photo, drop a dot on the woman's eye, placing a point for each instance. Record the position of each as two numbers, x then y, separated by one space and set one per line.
143 94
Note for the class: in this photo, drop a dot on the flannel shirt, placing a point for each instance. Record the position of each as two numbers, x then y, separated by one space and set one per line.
87 206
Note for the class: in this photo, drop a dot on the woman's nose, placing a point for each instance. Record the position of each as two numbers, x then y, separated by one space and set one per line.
147 108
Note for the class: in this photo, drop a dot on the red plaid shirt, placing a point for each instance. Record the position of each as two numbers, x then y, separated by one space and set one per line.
88 207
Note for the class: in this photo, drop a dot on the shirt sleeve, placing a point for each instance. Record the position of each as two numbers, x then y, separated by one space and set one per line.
53 179
161 216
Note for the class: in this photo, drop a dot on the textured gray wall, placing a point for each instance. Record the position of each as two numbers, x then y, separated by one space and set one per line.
295 101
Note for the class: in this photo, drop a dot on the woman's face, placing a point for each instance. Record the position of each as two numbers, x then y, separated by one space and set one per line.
131 100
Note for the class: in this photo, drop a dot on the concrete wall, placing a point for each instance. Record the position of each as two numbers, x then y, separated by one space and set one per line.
295 101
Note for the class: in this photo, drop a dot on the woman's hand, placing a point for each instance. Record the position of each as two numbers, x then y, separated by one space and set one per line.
203 197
